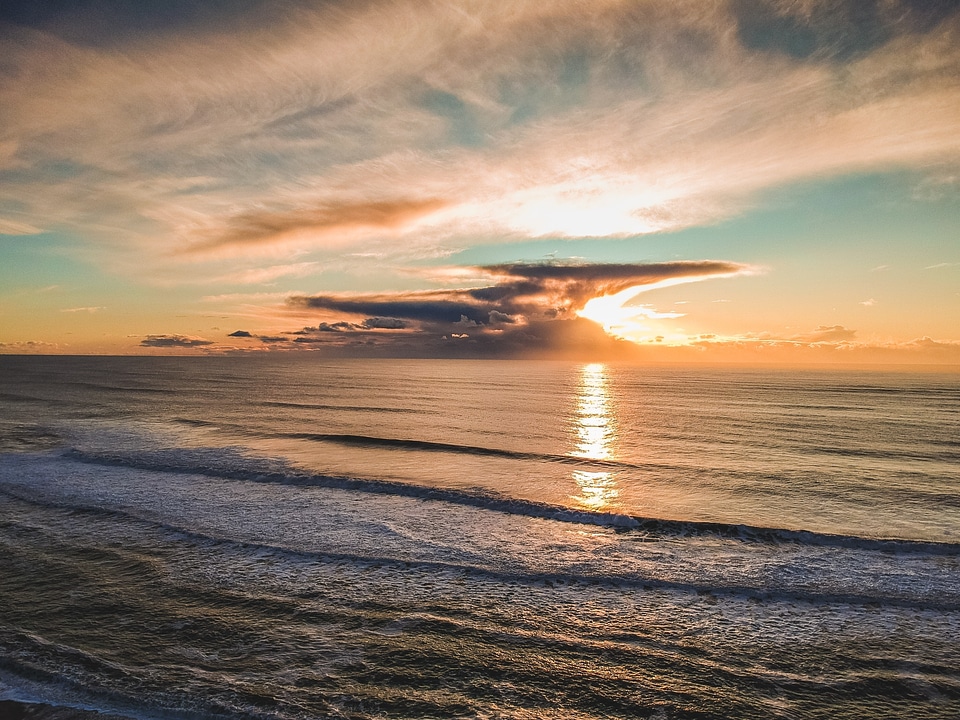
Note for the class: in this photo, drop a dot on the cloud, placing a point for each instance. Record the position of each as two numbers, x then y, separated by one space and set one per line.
514 312
323 223
90 310
499 318
260 275
250 143
174 341
835 336
11 227
406 125
240 333
428 306
28 346
243 297
829 344
928 343
830 334
831 29
520 290
385 323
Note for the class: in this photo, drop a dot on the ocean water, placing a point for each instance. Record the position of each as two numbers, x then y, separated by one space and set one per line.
298 538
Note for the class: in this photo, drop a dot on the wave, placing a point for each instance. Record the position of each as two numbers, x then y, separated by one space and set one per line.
19 437
125 388
10 397
64 682
890 454
371 441
234 466
248 547
349 408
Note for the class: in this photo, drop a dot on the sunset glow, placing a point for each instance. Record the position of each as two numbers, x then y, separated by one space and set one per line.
208 183
412 359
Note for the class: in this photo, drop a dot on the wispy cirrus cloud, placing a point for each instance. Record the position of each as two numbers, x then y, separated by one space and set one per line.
938 266
12 227
264 275
90 309
400 124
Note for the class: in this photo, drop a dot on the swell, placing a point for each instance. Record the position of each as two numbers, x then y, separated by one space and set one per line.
349 408
100 387
196 539
889 454
384 443
84 682
230 468
370 441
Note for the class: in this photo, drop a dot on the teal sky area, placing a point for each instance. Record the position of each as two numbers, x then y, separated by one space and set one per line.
749 181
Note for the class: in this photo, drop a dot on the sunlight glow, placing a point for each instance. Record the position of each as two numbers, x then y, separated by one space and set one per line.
621 316
596 434
588 199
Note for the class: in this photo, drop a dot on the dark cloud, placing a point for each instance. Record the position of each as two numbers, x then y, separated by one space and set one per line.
385 323
115 22
269 339
833 29
432 307
574 338
527 309
523 288
571 285
604 272
272 226
528 290
499 318
173 341
341 326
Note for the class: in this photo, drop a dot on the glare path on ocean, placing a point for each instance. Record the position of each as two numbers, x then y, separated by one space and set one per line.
595 429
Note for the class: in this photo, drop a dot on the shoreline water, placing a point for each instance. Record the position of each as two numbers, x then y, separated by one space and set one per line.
18 710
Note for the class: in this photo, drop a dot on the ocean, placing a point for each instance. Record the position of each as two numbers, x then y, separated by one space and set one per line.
293 537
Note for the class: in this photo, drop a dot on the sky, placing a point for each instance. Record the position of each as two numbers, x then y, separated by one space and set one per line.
771 181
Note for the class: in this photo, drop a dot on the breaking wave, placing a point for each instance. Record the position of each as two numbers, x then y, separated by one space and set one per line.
232 465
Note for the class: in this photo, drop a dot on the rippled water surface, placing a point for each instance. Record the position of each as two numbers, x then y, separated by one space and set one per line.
294 538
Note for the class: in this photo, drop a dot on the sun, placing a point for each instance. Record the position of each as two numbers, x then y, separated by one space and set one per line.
618 316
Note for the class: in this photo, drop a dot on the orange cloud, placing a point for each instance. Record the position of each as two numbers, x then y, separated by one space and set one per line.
316 224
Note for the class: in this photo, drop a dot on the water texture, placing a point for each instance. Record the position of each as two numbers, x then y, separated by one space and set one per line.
294 538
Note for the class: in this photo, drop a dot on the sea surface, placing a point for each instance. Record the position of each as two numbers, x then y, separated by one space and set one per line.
235 537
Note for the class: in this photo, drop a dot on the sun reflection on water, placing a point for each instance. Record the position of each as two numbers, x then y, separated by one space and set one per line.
596 434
